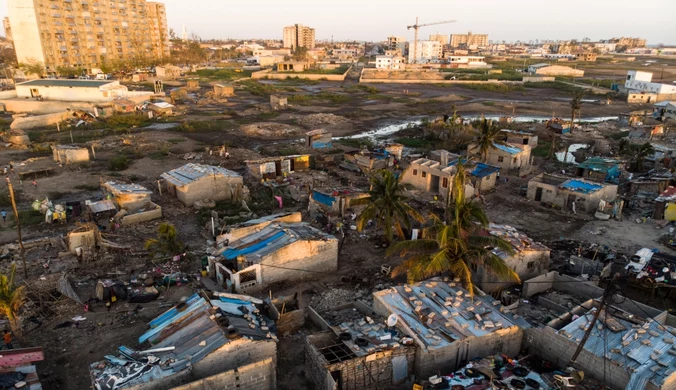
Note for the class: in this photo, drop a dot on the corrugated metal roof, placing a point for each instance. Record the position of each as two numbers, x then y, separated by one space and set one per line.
65 83
599 164
101 206
483 170
125 188
582 186
644 350
456 316
192 172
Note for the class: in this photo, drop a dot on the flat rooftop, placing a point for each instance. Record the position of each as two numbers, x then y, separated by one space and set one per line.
65 83
581 186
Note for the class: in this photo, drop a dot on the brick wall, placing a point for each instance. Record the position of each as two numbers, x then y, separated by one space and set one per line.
255 376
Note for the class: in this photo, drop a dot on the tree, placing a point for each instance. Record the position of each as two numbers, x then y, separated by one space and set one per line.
300 54
456 246
488 138
32 66
575 106
12 299
166 243
637 154
388 206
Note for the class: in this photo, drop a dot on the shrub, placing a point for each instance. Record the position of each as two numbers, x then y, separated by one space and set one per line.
118 163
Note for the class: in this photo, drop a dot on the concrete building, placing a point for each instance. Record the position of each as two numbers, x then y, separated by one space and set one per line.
641 82
665 110
273 254
390 62
520 137
236 232
529 260
292 66
271 168
469 40
368 161
509 157
68 154
200 341
585 57
133 201
87 35
397 44
600 169
427 51
193 182
447 326
467 61
299 36
224 90
441 38
93 91
563 191
338 201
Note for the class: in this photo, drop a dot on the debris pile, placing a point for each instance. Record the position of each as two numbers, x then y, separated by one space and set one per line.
313 120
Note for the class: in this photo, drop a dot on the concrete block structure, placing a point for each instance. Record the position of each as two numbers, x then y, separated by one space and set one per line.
206 348
338 201
68 154
274 167
193 182
600 169
241 230
519 137
563 191
318 139
529 260
447 326
509 157
75 90
273 254
133 201
221 90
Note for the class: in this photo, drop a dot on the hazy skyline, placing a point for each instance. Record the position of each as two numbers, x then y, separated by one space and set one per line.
374 20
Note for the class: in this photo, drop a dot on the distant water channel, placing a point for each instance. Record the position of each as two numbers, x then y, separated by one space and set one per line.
569 158
384 130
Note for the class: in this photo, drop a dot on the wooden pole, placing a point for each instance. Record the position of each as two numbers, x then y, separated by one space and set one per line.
71 137
93 152
18 230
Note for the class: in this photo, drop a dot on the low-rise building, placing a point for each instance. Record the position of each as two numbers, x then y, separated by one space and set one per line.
520 137
292 66
530 259
509 157
390 62
196 341
133 201
369 161
271 168
193 182
641 82
585 57
563 191
318 139
224 90
67 154
273 254
92 91
168 72
665 205
600 169
457 61
338 201
235 232
665 110
448 326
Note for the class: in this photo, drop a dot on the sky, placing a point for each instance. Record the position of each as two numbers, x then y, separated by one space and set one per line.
374 20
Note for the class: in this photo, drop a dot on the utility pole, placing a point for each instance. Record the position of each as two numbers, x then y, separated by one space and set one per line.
604 301
18 230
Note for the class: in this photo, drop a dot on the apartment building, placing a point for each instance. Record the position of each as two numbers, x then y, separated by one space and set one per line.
469 40
299 36
397 44
87 33
441 38
426 51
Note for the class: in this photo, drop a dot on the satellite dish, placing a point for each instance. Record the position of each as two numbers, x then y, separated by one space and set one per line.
392 320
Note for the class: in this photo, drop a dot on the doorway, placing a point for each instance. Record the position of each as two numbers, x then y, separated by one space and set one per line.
434 186
35 92
538 194
569 201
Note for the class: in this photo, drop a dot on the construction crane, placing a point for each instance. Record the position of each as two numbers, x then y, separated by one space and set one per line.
415 28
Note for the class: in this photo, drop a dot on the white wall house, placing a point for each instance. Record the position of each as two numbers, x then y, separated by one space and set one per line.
75 90
427 51
390 62
468 61
642 82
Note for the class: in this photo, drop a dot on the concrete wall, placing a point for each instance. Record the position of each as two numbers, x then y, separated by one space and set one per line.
238 232
42 107
66 94
154 212
24 25
485 183
268 74
210 187
8 94
84 239
585 202
235 353
560 282
539 260
67 156
538 79
255 376
31 122
413 175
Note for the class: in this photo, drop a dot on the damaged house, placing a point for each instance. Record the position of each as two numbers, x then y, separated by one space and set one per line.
194 182
510 157
520 137
273 254
600 169
68 154
563 191
273 167
241 230
206 343
19 370
361 352
368 161
338 201
529 260
318 139
133 201
448 326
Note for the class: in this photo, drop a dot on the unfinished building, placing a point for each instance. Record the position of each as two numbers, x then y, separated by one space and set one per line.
519 137
563 191
273 167
509 157
448 326
133 201
193 182
68 154
273 254
338 201
368 161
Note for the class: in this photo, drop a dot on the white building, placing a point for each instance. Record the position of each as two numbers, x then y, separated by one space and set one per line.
468 61
426 51
390 62
638 81
605 47
75 90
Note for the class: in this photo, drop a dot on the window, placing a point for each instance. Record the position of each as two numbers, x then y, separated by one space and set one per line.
424 174
514 160
445 182
415 172
530 265
501 159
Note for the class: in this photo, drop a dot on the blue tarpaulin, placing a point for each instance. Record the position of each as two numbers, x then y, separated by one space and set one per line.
584 187
232 253
323 199
507 148
482 170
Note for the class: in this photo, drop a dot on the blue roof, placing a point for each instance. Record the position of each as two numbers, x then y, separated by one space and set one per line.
581 186
483 170
507 148
599 164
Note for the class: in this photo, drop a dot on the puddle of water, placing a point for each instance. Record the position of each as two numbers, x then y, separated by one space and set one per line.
569 157
162 126
523 119
383 131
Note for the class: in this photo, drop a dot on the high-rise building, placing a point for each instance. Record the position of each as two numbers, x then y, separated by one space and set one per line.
426 51
299 36
441 38
469 40
87 33
397 43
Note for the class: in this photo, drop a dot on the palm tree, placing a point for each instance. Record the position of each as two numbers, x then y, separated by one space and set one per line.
12 299
388 206
454 247
488 138
575 106
638 153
